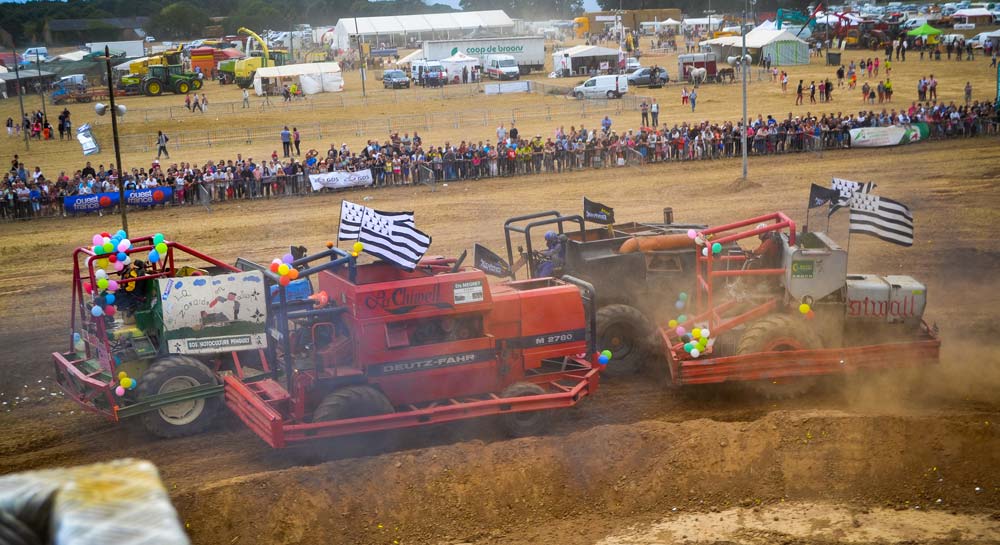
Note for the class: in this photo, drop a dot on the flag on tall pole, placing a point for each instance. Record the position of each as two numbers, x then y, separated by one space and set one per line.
848 189
883 218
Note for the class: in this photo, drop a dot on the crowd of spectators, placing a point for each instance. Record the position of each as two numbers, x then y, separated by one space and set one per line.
406 159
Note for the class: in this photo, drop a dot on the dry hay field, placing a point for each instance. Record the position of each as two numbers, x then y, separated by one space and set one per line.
897 458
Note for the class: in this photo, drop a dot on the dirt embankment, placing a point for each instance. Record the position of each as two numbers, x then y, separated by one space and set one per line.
484 492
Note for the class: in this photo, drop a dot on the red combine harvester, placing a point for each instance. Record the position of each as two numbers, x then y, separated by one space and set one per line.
371 348
792 313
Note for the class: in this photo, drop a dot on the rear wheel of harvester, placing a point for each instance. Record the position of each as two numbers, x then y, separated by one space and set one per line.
196 84
174 374
524 424
182 87
356 402
624 331
779 333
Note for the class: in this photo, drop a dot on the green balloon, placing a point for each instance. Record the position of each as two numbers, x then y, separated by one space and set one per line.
161 247
108 247
716 248
157 238
682 318
99 250
683 296
102 283
688 347
606 353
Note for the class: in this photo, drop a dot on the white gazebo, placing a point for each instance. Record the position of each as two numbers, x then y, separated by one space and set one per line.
313 78
784 48
399 30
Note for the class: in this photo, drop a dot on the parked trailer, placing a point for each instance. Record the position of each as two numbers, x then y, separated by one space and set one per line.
528 51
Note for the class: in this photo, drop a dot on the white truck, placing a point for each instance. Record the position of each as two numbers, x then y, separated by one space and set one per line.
528 51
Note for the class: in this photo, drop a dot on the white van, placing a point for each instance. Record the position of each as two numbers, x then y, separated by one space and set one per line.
501 67
602 87
42 53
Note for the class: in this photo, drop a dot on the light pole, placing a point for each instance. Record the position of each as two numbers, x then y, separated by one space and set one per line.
20 100
115 112
743 71
361 57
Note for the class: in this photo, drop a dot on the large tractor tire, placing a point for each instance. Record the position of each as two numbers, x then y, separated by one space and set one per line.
152 87
780 333
174 374
624 331
356 402
196 84
524 424
182 87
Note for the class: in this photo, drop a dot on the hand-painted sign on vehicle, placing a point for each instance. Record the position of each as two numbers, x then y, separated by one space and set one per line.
206 314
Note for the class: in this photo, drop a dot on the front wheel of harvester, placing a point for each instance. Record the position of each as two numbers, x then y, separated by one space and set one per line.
356 402
779 333
624 331
526 423
175 374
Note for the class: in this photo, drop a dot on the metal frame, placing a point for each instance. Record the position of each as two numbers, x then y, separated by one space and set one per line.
544 218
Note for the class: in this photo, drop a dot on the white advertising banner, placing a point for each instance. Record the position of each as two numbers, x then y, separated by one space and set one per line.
341 180
511 87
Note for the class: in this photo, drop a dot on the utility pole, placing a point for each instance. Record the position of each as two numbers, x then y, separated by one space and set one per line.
20 99
114 132
41 86
743 72
361 56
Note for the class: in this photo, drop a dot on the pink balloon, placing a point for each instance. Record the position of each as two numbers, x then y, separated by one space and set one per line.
119 391
97 240
680 331
119 266
692 233
112 285
124 245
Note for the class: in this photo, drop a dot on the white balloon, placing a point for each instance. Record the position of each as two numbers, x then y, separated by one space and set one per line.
100 274
705 333
704 252
695 353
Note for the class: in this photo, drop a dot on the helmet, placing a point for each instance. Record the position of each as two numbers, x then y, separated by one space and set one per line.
765 234
551 236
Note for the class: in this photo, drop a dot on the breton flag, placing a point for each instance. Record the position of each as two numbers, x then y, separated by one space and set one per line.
847 190
392 237
351 215
882 218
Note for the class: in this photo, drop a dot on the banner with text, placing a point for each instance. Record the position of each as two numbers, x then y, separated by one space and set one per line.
138 197
875 137
341 180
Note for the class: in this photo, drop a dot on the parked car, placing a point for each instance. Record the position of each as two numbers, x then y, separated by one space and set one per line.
602 87
150 39
632 63
395 79
644 76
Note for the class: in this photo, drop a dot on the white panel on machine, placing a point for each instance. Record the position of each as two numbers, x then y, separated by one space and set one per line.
892 299
814 267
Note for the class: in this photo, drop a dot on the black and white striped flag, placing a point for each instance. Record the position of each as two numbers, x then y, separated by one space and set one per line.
392 237
847 189
882 218
351 215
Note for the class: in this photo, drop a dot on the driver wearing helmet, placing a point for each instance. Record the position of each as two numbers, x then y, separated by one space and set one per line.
769 251
553 256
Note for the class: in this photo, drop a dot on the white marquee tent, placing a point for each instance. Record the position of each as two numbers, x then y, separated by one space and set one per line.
454 64
783 47
583 57
312 78
703 21
399 29
408 60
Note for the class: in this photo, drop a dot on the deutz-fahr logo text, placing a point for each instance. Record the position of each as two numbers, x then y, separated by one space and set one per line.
431 363
404 298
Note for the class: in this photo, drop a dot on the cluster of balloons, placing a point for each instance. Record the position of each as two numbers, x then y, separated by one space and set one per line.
696 342
700 240
604 357
159 250
284 268
125 383
807 311
676 324
112 248
104 302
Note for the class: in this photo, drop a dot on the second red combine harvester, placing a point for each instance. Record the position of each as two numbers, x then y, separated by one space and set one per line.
344 349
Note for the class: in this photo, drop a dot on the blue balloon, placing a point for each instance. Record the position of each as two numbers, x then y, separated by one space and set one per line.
109 298
122 256
76 337
133 385
97 311
121 233
154 256
603 360
679 305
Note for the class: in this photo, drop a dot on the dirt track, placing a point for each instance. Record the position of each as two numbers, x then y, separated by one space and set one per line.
616 467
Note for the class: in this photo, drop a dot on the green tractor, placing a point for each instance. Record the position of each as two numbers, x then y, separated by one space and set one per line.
170 77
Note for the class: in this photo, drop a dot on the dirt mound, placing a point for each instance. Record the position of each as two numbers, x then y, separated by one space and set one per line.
476 491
